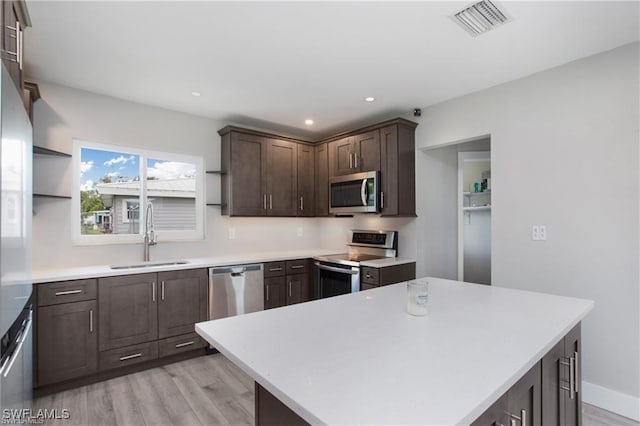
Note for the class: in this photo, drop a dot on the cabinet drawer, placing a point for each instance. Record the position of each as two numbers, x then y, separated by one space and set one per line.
299 266
364 286
128 355
274 269
179 344
370 275
66 292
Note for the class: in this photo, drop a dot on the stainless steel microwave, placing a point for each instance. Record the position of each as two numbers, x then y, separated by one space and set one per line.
354 193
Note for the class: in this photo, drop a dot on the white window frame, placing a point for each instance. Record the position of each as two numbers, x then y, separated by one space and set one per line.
144 156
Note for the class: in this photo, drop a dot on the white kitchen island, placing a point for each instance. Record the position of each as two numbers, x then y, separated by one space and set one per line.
361 359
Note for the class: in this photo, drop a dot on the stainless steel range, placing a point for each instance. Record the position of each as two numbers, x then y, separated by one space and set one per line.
338 274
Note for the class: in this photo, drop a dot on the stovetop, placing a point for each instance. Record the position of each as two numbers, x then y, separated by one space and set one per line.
363 246
351 259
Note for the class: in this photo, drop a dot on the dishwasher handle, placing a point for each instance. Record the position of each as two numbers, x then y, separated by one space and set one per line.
235 270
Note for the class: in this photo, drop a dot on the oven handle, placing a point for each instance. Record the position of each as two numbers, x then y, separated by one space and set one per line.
340 270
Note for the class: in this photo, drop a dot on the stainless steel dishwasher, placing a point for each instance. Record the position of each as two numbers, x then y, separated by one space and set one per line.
235 290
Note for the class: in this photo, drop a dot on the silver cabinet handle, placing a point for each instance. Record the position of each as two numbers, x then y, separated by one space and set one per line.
576 370
267 293
17 53
270 202
355 160
351 160
382 200
368 276
297 266
363 192
124 358
289 288
572 377
301 203
19 44
91 321
182 345
522 419
162 290
265 201
65 293
275 269
153 291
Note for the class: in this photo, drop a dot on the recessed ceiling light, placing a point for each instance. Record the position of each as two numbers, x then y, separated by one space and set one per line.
369 99
196 94
308 122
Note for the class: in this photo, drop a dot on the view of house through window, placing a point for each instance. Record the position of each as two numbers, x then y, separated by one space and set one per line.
114 184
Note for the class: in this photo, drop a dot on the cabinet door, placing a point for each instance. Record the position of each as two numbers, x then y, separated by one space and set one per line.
341 157
494 415
9 40
322 180
367 151
553 377
128 310
298 289
282 178
573 406
182 301
306 181
274 292
524 399
247 174
67 341
389 170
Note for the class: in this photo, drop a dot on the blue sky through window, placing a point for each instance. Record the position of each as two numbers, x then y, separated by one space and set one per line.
96 164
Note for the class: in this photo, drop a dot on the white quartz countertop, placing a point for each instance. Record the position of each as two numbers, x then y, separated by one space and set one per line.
75 273
388 261
361 359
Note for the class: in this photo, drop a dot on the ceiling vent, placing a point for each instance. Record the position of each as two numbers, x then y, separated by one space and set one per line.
480 17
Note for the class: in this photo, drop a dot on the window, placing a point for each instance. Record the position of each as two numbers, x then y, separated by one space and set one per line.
114 182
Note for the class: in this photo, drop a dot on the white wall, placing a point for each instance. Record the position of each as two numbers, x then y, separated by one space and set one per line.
64 113
564 153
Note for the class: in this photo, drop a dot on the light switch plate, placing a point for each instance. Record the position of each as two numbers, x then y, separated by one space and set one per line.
300 231
232 233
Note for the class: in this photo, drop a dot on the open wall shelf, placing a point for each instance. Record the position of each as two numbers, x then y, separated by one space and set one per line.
38 150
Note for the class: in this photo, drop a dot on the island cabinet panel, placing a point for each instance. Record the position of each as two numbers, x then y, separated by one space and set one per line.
496 415
182 301
128 310
322 180
375 277
282 178
561 382
524 399
269 411
306 181
67 341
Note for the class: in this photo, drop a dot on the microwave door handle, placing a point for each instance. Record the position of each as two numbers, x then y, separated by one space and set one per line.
363 192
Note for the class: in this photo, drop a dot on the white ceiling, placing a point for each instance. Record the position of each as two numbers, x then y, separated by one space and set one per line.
273 65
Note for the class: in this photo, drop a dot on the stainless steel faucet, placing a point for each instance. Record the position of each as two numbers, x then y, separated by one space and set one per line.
149 233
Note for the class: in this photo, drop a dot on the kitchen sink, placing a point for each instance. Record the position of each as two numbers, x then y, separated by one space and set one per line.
150 264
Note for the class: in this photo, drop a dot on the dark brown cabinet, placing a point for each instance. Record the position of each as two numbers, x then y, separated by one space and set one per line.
67 341
128 310
376 277
353 154
259 175
287 282
322 180
561 382
15 18
397 169
306 180
182 301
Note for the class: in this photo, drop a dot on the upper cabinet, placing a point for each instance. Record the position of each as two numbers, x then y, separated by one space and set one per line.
15 18
259 174
353 154
269 175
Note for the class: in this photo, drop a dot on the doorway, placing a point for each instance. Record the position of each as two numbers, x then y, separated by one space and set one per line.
474 217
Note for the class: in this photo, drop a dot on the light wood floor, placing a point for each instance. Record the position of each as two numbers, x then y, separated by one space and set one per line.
209 390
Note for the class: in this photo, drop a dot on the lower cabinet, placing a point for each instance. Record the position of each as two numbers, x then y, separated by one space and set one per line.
548 394
287 282
375 277
87 327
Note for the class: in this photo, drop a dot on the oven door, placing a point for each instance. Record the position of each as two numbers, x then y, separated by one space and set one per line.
334 279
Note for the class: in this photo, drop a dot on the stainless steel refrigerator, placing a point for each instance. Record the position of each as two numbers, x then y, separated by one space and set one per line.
16 156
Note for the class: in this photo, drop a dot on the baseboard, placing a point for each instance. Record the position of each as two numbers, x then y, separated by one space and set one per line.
610 400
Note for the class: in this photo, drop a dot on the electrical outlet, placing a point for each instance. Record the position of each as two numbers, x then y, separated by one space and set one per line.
232 233
300 231
542 233
535 232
